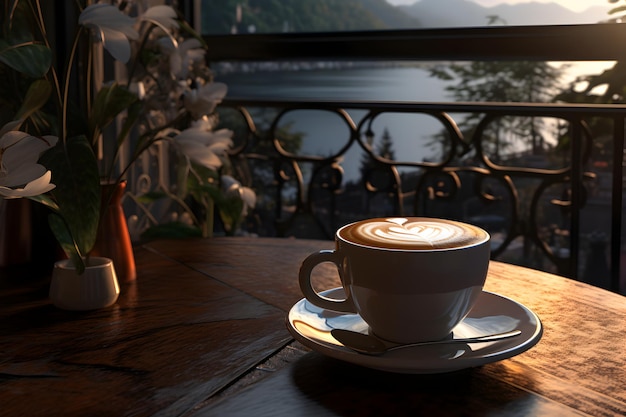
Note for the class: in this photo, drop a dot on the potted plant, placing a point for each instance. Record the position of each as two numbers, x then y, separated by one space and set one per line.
51 140
46 154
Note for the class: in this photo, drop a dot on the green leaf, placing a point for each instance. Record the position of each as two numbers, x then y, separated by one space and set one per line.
31 59
45 200
77 193
197 190
230 210
109 102
64 237
36 97
151 197
132 115
617 9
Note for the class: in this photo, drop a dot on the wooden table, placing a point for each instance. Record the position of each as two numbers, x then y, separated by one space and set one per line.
202 333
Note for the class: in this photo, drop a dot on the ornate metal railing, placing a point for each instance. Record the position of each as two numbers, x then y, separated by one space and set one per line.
549 216
564 217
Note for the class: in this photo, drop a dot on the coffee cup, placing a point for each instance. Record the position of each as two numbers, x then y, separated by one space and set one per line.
411 279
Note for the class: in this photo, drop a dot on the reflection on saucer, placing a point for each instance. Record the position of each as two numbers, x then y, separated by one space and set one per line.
492 313
312 332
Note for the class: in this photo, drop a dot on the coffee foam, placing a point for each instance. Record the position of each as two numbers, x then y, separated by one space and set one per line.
413 233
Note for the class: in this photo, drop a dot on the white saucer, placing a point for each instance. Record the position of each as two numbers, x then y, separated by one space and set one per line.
492 313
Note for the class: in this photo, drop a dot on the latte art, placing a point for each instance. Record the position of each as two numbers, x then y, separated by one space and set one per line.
413 233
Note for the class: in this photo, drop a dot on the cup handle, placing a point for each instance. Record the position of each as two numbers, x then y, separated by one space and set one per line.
343 306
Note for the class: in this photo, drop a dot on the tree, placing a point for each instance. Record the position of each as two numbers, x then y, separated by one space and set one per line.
612 79
491 81
384 150
377 177
608 87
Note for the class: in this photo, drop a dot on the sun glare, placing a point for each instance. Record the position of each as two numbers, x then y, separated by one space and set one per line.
574 5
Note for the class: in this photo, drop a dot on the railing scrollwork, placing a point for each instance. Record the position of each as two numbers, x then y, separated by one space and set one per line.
533 211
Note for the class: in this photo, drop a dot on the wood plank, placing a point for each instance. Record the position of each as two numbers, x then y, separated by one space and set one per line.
174 338
318 386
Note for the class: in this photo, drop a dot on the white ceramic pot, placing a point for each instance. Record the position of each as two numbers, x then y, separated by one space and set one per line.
96 288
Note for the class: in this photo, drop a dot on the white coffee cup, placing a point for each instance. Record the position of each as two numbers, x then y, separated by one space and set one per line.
411 279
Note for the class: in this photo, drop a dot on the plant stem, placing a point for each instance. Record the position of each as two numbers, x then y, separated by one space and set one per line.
44 35
66 88
207 227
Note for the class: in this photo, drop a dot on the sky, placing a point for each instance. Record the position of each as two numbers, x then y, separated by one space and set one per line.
575 5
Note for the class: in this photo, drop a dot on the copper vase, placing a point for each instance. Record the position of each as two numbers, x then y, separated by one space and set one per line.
113 240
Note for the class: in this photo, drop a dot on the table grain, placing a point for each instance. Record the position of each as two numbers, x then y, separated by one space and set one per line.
202 333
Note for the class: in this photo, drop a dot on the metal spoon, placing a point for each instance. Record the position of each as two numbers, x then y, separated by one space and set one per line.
372 345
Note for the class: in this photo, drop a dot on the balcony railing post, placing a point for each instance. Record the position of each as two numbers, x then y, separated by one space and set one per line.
576 181
616 201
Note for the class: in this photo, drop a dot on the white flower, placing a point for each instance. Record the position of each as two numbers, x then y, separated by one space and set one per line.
185 218
36 187
139 88
203 100
204 146
112 27
204 123
19 153
233 188
161 15
183 56
13 125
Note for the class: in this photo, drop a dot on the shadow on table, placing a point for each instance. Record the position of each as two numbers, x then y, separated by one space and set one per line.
346 389
315 385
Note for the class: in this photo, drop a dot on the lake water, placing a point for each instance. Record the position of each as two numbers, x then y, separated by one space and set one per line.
394 83
326 132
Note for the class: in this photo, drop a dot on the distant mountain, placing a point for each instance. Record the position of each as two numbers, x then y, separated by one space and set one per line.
272 16
390 16
455 13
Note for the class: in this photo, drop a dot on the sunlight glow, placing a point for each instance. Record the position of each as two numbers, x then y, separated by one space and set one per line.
575 5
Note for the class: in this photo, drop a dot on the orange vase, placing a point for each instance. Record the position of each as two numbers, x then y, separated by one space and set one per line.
113 240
